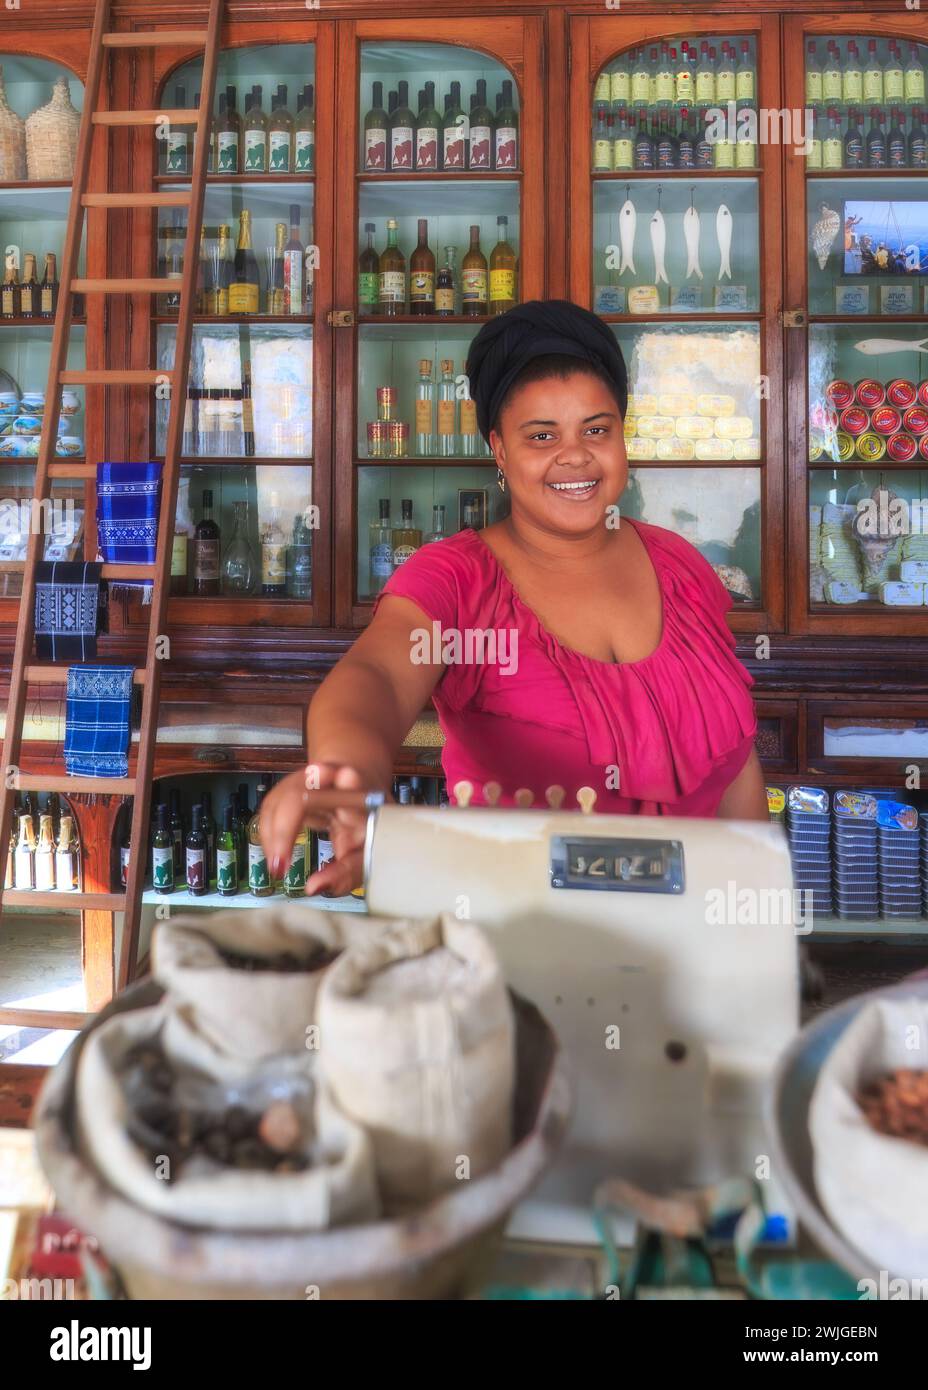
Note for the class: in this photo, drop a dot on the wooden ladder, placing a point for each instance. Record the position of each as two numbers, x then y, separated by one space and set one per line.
24 670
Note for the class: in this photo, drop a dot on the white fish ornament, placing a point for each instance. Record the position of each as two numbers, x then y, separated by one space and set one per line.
691 238
723 232
879 347
824 233
628 223
658 246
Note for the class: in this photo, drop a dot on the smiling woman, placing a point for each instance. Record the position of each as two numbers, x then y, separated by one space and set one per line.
621 673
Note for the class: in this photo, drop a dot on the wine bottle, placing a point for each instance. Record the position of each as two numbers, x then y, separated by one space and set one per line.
602 144
227 855
178 833
195 857
502 270
274 554
918 140
474 277
873 76
294 267
852 82
813 76
914 80
208 823
9 295
897 152
368 274
645 147
428 132
481 129
295 877
745 78
422 274
259 878
726 84
445 287
255 135
243 287
228 135
854 142
402 131
206 551
280 134
876 142
304 133
29 290
175 149
376 127
507 130
162 854
893 77
392 284
455 131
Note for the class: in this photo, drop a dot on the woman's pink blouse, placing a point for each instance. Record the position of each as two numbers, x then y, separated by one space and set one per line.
661 736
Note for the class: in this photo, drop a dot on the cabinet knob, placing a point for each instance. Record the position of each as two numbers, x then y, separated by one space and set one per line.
794 318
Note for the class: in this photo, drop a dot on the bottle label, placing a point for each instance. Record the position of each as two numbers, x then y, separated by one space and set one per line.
162 865
814 158
893 84
176 155
745 154
725 86
26 307
248 415
255 152
402 553
603 87
423 417
243 298
427 147
296 870
914 86
663 86
641 87
325 852
873 86
853 86
196 868
293 282
401 146
273 564
375 148
206 559
813 86
23 868
686 155
304 150
502 285
481 137
624 148
7 301
724 154
684 86
918 151
705 85
474 286
506 142
44 870
620 86
258 876
644 155
666 155
226 875
421 287
744 85
124 852
602 154
446 413
854 152
392 287
64 870
227 152
280 151
897 153
444 301
179 555
367 287
832 153
382 560
468 417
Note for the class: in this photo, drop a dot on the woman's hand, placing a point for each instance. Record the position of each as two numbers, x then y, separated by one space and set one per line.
289 806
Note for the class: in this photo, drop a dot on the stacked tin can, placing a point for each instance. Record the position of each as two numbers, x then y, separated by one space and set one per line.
854 867
924 865
808 828
900 879
869 421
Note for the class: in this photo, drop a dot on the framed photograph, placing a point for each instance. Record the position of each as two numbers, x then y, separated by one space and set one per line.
472 508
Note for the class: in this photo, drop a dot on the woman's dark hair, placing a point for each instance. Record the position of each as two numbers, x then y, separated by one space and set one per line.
559 366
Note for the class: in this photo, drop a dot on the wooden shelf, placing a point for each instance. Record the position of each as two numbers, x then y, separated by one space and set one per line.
415 462
865 173
181 898
36 185
77 321
243 320
421 320
624 175
439 175
883 319
233 180
223 460
682 316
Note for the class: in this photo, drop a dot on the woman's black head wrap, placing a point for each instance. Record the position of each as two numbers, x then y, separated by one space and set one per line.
540 328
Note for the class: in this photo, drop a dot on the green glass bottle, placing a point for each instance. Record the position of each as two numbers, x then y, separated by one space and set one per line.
162 854
295 877
227 854
259 877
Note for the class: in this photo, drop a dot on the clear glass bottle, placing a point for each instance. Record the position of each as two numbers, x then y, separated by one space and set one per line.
24 863
425 411
813 76
407 538
259 878
300 561
274 553
447 432
852 81
914 79
725 79
602 145
238 565
705 76
471 439
873 76
438 531
623 140
380 548
45 856
67 857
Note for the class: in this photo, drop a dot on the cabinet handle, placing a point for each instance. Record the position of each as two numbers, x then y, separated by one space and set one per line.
213 755
340 318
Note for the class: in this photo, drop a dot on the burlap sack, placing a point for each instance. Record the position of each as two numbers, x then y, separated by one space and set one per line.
424 1063
338 1187
873 1185
245 1014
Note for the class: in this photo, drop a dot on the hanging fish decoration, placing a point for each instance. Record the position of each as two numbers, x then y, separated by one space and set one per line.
825 233
880 347
658 246
723 225
628 223
691 238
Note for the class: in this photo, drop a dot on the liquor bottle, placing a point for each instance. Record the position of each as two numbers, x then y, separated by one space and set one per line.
832 77
217 300
227 855
686 143
208 824
664 83
854 142
603 88
53 809
172 264
29 290
206 551
248 414
832 145
745 78
294 267
455 131
893 77
852 82
376 126
402 130
204 288
470 438
422 274
243 286
641 82
175 146
746 145
48 299
274 554
602 145
229 137
445 286
437 532
295 877
918 140
162 854
407 538
620 82
256 135
502 270
195 857
653 65
425 411
300 561
392 283
238 570
684 84
447 432
914 79
705 77
623 140
645 148
45 856
280 134
368 274
67 858
474 277
507 130
428 132
275 271
9 296
725 79
24 861
259 878
876 142
813 76
322 850
873 76
815 139
304 132
380 548
178 833
481 129
240 831
666 144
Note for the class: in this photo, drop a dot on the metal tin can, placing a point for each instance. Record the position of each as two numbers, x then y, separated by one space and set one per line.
915 419
386 402
855 419
870 393
399 439
871 447
844 443
923 393
901 447
886 419
923 446
816 445
901 393
840 393
377 439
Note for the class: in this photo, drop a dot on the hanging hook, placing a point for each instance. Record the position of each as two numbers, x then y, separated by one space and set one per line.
692 191
660 189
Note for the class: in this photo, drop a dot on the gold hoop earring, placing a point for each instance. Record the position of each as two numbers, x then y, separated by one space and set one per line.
501 479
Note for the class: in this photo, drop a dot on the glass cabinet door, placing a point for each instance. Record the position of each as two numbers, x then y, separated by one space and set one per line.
858 228
446 230
674 242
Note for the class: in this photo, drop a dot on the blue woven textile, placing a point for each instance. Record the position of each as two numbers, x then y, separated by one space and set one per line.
128 497
98 721
68 612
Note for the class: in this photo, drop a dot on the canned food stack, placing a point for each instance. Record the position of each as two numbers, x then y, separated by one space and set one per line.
923 818
808 828
854 870
900 882
870 422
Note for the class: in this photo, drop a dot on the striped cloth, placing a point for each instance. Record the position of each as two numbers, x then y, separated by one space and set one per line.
128 499
98 721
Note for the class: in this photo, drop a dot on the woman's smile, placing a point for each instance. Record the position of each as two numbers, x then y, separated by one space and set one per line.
577 491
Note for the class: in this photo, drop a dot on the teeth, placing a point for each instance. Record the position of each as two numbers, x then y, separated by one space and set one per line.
574 487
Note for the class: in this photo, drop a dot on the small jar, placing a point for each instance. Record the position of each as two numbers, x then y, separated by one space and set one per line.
386 402
399 439
376 439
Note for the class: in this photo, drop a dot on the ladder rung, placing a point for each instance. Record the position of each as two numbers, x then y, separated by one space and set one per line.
159 285
44 1018
135 200
180 115
139 572
72 470
47 782
167 38
149 376
58 675
87 902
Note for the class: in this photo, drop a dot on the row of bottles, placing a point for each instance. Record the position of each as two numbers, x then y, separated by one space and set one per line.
893 139
229 278
385 287
29 297
445 419
219 422
278 142
676 75
684 139
200 567
881 76
391 546
399 139
50 860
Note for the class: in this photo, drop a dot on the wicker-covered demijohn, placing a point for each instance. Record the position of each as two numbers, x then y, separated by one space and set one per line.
51 136
12 141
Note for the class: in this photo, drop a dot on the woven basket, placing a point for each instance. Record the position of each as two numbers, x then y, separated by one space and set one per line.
51 136
12 141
